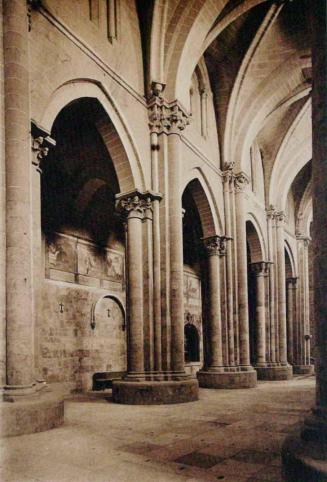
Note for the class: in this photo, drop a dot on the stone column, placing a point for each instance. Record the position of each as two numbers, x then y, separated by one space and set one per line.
261 271
305 458
203 100
41 143
272 309
215 248
302 360
291 314
133 205
280 221
228 179
19 309
241 181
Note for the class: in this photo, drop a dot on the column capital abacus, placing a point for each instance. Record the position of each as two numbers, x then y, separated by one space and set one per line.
136 203
166 117
41 143
215 245
241 181
260 268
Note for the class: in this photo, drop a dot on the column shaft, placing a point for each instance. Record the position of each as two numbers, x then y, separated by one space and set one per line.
20 327
272 346
214 321
135 293
229 271
176 256
290 318
241 181
260 272
281 289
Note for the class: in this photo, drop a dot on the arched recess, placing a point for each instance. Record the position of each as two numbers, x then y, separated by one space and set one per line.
112 128
255 240
207 205
96 303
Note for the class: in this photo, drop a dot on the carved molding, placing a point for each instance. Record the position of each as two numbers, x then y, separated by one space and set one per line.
305 239
166 117
216 245
136 203
41 143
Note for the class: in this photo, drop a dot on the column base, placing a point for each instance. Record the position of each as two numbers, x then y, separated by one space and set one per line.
155 392
304 461
37 412
275 373
240 379
303 369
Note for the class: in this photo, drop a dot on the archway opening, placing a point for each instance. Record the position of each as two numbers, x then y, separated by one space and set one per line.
191 343
193 282
84 249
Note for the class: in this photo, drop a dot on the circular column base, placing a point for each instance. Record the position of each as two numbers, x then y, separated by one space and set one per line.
155 392
275 373
303 369
304 461
37 413
246 379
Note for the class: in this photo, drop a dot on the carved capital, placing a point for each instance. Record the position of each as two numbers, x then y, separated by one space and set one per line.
215 245
241 182
228 175
136 203
261 268
271 212
280 218
292 281
41 143
167 117
306 240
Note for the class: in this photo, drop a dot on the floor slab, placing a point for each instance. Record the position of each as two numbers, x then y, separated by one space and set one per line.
228 435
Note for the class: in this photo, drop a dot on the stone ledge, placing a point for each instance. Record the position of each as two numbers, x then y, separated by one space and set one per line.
38 413
275 373
303 369
155 393
246 379
304 461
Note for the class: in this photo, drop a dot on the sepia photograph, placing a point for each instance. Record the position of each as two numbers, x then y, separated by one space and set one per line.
163 240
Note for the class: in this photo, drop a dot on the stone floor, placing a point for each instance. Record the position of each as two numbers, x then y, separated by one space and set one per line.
229 435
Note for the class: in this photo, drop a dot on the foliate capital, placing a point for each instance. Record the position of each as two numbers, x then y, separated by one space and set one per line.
41 142
302 237
271 212
292 281
167 117
215 245
261 268
228 175
136 203
280 218
241 181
